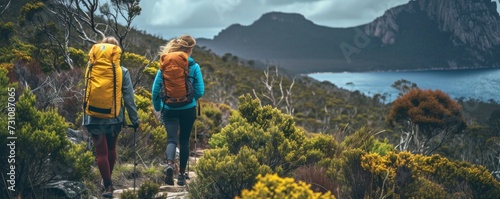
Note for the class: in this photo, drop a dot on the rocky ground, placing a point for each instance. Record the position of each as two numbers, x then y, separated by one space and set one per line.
171 191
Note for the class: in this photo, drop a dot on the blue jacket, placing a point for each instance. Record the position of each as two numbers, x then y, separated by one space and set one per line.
198 85
129 103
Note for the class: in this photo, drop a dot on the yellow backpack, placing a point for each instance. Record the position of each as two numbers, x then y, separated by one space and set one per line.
103 81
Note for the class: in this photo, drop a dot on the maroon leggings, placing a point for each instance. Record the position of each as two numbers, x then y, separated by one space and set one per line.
104 138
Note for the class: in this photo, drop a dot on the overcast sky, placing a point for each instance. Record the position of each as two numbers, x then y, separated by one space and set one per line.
206 18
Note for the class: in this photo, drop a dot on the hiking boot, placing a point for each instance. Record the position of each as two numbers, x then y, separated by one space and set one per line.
169 175
108 192
181 180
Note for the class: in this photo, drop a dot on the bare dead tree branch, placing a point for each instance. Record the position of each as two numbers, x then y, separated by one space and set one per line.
288 99
222 91
270 79
4 7
256 96
126 10
64 15
85 11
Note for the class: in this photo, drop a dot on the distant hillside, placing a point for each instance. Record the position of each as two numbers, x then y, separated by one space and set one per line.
422 34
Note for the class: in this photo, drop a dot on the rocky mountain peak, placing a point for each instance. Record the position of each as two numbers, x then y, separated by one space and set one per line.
475 23
281 17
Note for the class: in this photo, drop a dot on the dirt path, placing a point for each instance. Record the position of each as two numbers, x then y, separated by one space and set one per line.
172 191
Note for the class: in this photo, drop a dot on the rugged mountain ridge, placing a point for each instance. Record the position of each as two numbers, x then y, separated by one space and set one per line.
473 23
422 34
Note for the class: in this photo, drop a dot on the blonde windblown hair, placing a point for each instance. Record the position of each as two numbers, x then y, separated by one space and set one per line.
184 43
110 40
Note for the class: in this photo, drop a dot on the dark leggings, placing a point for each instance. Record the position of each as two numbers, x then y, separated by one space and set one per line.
178 124
104 138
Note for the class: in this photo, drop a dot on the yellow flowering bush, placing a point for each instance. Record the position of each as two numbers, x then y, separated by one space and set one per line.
273 186
414 174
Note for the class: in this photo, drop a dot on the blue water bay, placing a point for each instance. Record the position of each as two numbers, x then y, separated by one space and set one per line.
482 84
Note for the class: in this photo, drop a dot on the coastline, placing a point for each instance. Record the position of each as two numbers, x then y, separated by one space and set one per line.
478 83
404 70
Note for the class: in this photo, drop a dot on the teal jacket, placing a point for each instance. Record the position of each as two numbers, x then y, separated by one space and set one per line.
198 86
128 102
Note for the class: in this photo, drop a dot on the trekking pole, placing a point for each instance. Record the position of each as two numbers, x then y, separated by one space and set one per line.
135 153
187 173
195 140
196 134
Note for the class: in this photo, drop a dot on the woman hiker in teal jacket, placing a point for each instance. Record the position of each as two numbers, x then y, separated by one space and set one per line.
181 118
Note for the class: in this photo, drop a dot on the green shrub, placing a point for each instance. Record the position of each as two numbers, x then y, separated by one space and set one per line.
6 32
148 190
128 194
43 150
320 147
208 123
424 188
221 174
154 173
273 135
355 181
79 57
316 176
272 143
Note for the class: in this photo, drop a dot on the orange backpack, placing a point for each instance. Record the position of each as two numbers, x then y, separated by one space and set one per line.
178 89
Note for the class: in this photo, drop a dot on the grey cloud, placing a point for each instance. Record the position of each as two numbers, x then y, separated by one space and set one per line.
288 2
205 18
352 13
222 13
219 14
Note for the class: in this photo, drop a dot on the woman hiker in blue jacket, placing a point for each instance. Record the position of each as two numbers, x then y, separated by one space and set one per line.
179 118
